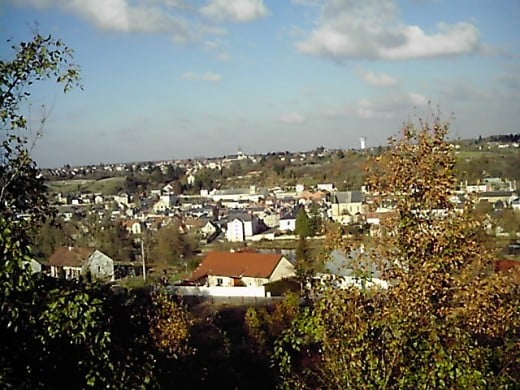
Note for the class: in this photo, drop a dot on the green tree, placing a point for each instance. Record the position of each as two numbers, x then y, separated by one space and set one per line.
509 220
55 333
114 240
53 233
172 246
315 219
35 317
303 224
303 258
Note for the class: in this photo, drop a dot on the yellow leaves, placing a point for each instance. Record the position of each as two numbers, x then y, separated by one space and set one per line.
170 326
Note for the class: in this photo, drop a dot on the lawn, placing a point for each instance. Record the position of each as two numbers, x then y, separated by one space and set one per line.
106 186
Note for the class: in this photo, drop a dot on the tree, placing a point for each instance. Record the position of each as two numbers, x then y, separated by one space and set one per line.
303 223
171 245
303 258
55 333
34 316
315 219
446 320
53 233
509 220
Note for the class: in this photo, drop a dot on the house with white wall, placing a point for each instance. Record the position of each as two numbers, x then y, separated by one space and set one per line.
241 226
288 221
242 269
73 262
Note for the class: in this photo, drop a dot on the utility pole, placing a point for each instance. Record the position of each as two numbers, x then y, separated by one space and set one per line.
142 258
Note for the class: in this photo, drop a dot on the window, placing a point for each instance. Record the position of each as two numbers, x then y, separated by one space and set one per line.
219 281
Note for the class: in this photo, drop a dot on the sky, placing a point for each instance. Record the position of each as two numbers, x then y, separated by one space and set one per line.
175 79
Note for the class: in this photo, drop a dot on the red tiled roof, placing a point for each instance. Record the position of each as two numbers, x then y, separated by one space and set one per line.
70 256
258 265
506 265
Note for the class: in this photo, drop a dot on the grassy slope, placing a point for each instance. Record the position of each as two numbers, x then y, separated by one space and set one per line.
107 186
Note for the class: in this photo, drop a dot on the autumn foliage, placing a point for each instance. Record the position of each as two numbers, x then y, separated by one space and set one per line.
446 321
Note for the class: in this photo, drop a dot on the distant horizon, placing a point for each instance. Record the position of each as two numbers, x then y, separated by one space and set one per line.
216 157
169 79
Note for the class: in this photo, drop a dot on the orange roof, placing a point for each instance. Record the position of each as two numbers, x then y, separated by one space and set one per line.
318 195
260 265
70 256
506 265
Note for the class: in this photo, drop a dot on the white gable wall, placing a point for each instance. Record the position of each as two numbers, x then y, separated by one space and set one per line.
284 269
100 266
287 224
250 281
235 231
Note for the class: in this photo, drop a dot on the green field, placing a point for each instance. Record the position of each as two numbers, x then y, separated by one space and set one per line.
107 186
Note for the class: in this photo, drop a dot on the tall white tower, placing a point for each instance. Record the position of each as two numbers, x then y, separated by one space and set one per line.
363 141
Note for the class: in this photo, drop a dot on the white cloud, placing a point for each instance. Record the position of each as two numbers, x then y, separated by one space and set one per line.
157 16
391 105
235 10
224 56
292 118
218 46
460 38
371 29
417 99
379 79
208 76
367 110
308 3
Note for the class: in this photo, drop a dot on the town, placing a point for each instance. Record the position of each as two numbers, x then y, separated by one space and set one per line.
253 194
163 219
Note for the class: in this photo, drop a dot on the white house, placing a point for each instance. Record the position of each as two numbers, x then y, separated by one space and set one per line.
325 187
164 203
209 229
288 222
515 204
240 227
252 194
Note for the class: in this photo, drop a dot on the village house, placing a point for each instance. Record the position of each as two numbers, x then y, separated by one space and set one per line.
288 221
209 229
242 269
242 226
329 187
307 197
122 199
73 262
515 204
165 202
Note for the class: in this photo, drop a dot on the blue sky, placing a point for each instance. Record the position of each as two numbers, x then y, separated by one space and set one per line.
168 79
